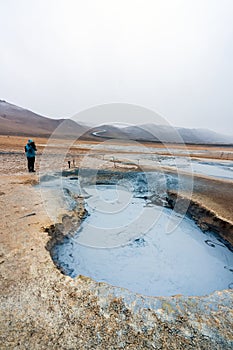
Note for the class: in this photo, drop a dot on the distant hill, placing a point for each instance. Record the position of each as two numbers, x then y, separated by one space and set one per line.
15 120
166 133
105 131
160 133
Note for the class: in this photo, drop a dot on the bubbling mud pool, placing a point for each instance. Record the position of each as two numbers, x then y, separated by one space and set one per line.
124 241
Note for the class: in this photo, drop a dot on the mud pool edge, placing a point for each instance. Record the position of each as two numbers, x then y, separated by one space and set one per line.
203 217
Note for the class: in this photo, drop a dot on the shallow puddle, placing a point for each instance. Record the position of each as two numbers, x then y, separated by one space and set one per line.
124 242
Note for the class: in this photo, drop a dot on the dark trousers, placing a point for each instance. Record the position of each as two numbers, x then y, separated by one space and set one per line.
31 162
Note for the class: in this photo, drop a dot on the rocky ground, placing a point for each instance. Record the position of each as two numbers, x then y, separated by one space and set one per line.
43 309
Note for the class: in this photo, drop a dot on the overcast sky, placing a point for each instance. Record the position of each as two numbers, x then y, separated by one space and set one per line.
172 56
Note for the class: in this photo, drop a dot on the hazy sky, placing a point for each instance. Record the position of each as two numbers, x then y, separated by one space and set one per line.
173 56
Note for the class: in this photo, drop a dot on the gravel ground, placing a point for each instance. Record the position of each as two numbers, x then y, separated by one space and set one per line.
43 309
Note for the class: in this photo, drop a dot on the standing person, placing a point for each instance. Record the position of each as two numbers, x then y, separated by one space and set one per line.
30 150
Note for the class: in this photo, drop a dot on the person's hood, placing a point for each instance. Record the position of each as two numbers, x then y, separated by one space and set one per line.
30 141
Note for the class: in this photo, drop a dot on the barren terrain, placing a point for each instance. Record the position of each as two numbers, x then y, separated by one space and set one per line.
41 308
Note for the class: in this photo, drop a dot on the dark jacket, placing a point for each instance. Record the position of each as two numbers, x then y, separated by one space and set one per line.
30 149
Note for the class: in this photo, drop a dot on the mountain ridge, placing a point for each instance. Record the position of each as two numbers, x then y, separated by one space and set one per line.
18 121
